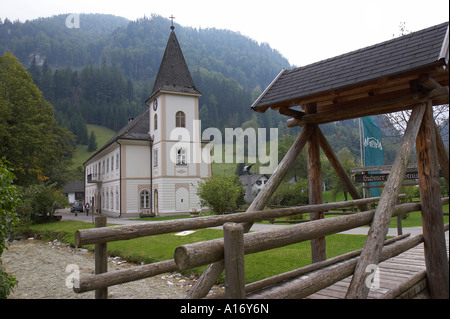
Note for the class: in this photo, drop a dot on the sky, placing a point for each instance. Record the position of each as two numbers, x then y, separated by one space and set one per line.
302 31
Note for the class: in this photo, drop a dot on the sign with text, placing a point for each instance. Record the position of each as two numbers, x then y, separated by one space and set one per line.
367 178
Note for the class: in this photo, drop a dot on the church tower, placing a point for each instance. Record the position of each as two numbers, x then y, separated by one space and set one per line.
177 166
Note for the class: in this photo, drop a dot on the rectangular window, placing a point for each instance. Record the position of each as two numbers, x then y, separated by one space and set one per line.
181 156
117 161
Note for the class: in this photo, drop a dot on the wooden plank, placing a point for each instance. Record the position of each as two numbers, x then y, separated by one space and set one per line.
261 284
378 230
395 272
432 217
372 106
318 280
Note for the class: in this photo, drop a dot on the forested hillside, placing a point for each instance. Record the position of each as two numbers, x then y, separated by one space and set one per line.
102 72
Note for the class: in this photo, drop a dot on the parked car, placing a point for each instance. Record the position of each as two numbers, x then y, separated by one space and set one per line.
76 207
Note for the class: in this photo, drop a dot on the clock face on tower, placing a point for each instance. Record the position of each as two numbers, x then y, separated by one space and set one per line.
155 105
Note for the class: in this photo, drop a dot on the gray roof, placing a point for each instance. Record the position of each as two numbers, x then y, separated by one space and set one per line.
173 74
74 187
406 53
136 129
253 178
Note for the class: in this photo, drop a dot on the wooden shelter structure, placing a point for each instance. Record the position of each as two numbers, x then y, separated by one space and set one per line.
406 73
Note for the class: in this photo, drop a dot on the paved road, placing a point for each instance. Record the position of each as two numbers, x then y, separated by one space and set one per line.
66 215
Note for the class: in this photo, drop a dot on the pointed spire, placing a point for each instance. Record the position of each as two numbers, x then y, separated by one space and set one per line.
173 74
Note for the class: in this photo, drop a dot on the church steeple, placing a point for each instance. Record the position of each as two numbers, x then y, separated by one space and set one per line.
173 74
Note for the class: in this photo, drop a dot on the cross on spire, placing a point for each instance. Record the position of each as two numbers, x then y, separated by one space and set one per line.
171 18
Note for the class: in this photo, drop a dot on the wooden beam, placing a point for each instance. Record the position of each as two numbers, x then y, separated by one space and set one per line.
370 106
125 232
107 279
290 112
318 245
378 230
206 252
351 188
432 218
213 272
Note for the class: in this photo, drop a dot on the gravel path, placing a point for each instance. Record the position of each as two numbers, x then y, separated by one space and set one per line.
40 269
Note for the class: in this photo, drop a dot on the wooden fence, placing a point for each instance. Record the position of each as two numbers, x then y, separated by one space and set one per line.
230 250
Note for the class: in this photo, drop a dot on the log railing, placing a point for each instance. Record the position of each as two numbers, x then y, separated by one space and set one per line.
235 244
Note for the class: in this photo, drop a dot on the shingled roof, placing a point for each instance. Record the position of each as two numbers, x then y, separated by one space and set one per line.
173 74
428 47
136 129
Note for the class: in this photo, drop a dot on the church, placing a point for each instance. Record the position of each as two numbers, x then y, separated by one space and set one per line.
153 165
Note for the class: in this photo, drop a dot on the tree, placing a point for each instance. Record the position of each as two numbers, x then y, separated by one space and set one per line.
220 193
30 138
92 144
9 200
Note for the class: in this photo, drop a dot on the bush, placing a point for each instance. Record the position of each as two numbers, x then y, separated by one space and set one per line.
9 199
41 201
220 193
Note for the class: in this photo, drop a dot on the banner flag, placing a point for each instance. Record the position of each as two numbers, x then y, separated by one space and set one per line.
373 148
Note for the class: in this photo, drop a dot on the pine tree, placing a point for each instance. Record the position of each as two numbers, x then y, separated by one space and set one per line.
92 144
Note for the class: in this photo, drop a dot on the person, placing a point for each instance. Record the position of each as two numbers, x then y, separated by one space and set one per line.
87 209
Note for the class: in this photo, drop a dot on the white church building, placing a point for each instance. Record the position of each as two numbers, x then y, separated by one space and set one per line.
154 163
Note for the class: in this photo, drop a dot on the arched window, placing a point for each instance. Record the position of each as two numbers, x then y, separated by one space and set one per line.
180 119
145 199
155 122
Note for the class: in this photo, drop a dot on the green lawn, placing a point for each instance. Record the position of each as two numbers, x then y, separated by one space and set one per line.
161 247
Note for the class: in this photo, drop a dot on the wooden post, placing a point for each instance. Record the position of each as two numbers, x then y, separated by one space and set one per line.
380 224
212 273
318 251
101 258
233 237
432 217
